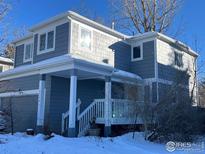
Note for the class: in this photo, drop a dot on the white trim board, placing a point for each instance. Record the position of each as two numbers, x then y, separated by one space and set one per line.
20 93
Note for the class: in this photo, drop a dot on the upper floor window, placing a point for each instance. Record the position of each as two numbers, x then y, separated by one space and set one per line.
178 60
46 42
28 52
137 53
85 39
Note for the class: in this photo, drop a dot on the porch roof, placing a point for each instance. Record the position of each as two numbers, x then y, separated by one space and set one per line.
67 62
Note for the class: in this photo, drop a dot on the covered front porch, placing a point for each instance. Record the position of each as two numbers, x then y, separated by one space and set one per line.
110 107
73 91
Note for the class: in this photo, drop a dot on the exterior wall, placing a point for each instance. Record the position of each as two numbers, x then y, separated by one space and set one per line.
61 44
19 55
166 68
24 110
104 46
145 67
23 83
59 98
165 91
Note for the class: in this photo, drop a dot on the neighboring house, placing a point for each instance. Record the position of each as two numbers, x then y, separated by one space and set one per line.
66 70
5 64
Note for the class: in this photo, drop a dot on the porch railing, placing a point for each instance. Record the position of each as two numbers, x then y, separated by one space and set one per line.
123 108
64 121
94 110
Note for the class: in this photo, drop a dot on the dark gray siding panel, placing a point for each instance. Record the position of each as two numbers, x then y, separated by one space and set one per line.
154 92
24 110
172 74
61 44
122 53
174 93
59 102
23 83
19 56
87 91
145 68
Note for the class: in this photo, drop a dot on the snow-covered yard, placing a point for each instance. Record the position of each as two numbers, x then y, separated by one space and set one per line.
24 144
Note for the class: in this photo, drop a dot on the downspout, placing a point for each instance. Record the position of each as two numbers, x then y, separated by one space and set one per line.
156 69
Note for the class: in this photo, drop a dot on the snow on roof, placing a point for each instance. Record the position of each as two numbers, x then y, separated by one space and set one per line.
6 60
164 38
61 61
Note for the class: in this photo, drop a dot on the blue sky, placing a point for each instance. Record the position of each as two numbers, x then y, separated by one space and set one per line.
191 16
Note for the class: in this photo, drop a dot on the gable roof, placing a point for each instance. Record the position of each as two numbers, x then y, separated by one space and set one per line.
74 16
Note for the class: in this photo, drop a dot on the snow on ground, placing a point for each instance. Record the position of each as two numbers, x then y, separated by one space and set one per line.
24 144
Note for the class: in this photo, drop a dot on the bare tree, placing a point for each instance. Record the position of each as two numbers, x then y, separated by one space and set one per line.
4 9
139 16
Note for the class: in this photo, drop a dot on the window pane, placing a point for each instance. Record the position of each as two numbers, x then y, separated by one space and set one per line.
50 41
178 59
28 52
136 52
42 42
85 39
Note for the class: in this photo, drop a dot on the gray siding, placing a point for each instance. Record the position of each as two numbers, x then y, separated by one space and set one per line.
23 83
24 110
19 56
61 44
59 98
154 92
145 68
122 55
168 91
170 73
59 102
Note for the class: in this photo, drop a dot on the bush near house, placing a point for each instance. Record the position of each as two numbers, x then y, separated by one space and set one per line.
178 122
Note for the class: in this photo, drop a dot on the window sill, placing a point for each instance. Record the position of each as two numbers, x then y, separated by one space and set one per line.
137 59
44 51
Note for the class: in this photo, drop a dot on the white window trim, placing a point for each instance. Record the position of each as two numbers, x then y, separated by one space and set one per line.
141 52
54 40
79 38
24 55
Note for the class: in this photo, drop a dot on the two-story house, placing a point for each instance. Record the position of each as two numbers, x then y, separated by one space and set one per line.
66 69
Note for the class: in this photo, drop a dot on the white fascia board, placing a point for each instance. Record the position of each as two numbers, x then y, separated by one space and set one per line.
29 36
48 21
95 24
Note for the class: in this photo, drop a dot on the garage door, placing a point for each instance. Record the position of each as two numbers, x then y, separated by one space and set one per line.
24 110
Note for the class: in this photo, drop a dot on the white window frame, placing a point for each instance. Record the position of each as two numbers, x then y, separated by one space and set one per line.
46 50
141 52
79 38
24 55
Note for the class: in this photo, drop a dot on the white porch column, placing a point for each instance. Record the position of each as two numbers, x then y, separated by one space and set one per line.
72 105
41 103
108 106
